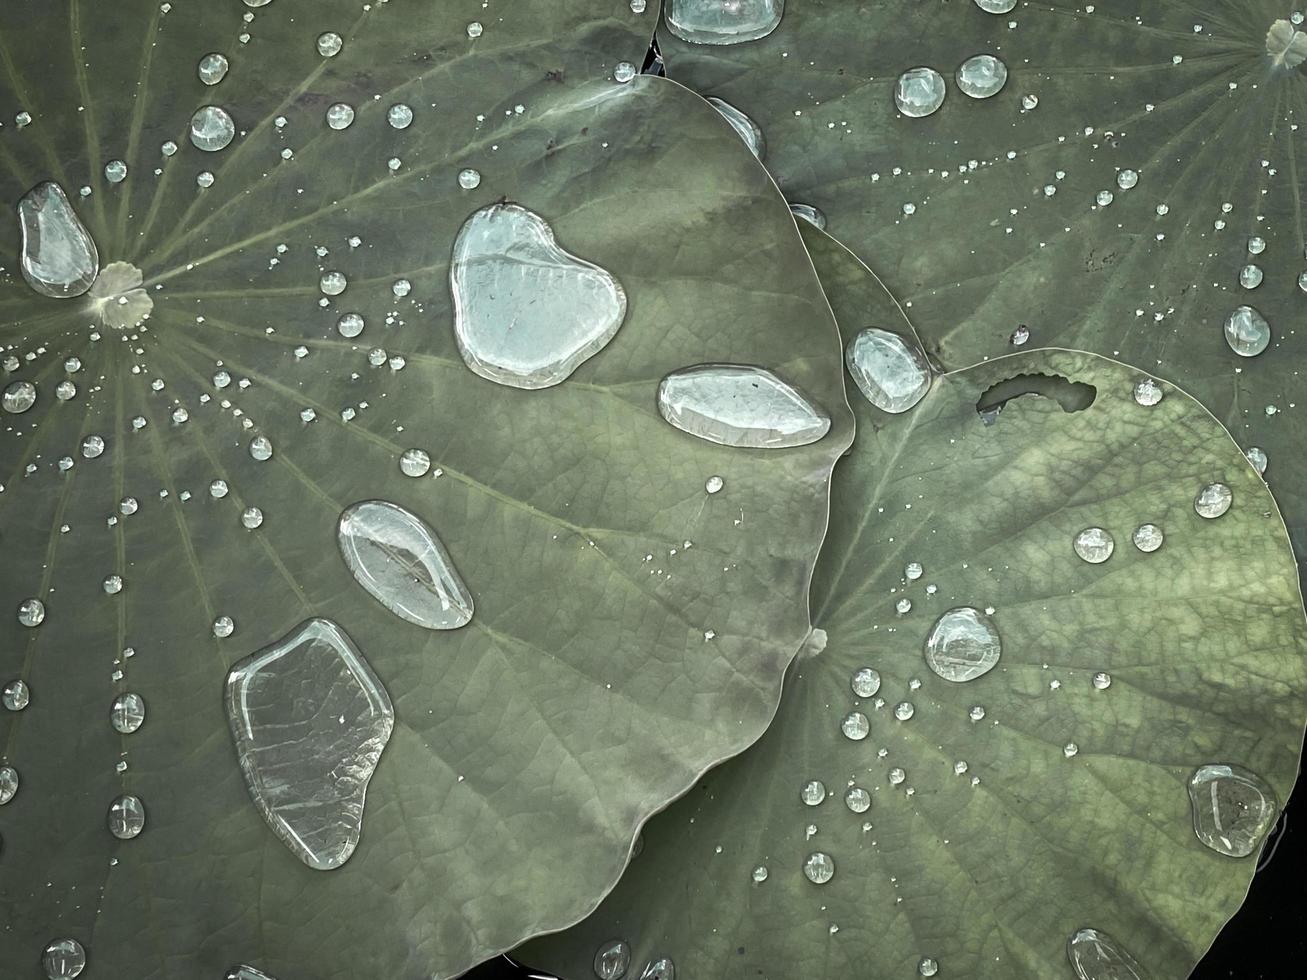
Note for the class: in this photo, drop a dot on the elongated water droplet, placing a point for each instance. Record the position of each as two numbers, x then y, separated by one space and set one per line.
889 370
127 713
919 92
1095 955
126 817
527 312
403 564
612 960
1213 500
744 127
819 867
1094 545
59 257
813 215
1232 809
715 22
63 959
740 405
962 645
306 770
660 969
981 76
212 128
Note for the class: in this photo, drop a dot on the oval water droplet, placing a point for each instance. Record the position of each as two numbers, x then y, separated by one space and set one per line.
1094 545
1247 332
740 405
31 612
962 645
127 714
919 92
126 817
1095 955
1232 809
527 312
306 771
612 960
8 784
212 129
744 127
1147 538
981 76
660 969
403 565
819 867
813 793
889 370
813 215
1213 500
63 959
59 257
1258 458
715 22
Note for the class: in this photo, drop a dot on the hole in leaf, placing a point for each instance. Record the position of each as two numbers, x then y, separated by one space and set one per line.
1073 396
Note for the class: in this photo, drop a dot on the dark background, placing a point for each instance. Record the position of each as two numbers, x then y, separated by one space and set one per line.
1268 932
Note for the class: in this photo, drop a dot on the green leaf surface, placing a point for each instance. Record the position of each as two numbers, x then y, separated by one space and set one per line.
1005 229
630 629
987 868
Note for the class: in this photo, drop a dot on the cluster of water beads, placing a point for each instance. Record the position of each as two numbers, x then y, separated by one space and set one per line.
63 959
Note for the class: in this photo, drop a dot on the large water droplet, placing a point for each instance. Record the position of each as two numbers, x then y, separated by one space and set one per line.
962 645
126 817
527 312
740 405
1286 46
981 76
212 128
819 867
63 959
1213 500
715 22
612 960
1247 332
919 92
1095 955
1094 545
889 370
306 769
403 564
1232 808
745 128
59 257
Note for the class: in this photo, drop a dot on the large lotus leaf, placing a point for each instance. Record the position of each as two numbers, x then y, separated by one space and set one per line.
986 841
1005 229
630 629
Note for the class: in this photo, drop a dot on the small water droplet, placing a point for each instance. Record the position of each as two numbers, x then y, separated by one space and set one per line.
261 448
1126 179
1070 750
204 179
1213 500
857 799
865 682
16 695
739 405
251 518
1148 392
1257 457
855 726
474 29
612 959
714 484
112 584
1147 538
31 612
63 959
976 713
212 69
340 115
19 396
1095 955
1104 198
760 874
115 171
212 128
624 72
814 792
8 784
329 44
897 776
332 283
890 371
919 92
1102 680
962 645
819 867
1094 545
400 116
927 967
1247 332
59 257
981 76
1232 809
223 627
813 215
126 817
350 325
127 713
904 710
469 179
660 969
415 462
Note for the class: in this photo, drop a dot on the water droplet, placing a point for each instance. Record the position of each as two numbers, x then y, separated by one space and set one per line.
168 148
1102 680
962 645
814 792
8 784
127 713
527 313
212 128
1148 392
744 127
251 518
333 283
903 606
115 171
1286 47
981 76
329 44
855 726
897 776
415 462
1095 955
1029 101
1147 538
340 115
1302 281
1257 457
401 288
1094 545
1126 179
1213 500
261 448
1104 198
399 116
813 215
857 799
63 959
126 817
223 627
212 68
976 713
16 695
714 22
204 179
65 390
865 682
59 257
93 447
1250 276
470 180
927 967
739 405
243 972
919 92
306 771
612 960
660 969
996 6
819 867
1247 332
218 489
714 484
112 584
31 612
403 565
624 72
890 371
350 325
1070 750
760 874
1232 808
474 29
19 397
904 710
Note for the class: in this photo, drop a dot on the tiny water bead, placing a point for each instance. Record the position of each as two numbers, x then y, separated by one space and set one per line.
59 258
919 92
16 695
715 22
624 72
340 115
1148 392
1126 179
1147 538
889 370
212 128
962 645
127 714
1094 544
1102 680
332 283
1232 808
399 116
19 397
813 792
1213 500
740 405
126 817
865 682
469 179
31 612
857 799
329 44
212 68
612 959
819 867
63 959
981 76
415 462
1095 955
1247 332
855 726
